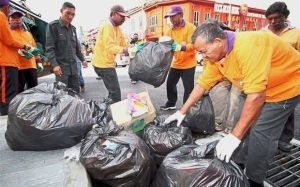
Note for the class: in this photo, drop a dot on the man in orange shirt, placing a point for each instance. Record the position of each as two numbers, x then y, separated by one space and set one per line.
28 73
8 60
265 68
184 61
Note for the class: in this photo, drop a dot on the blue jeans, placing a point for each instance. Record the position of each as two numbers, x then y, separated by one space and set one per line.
80 78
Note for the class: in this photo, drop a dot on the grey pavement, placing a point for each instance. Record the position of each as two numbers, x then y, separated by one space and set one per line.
61 168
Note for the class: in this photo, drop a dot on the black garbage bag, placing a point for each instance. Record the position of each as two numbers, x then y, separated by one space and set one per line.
117 158
47 118
151 65
196 166
200 118
101 112
164 139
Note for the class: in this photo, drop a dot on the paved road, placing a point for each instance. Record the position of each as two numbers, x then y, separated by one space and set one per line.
95 90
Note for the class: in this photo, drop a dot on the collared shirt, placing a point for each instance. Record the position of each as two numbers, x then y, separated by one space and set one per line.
61 47
259 61
182 24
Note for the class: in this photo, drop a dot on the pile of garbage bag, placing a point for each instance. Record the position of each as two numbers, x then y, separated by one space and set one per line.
46 117
101 112
162 139
115 157
196 166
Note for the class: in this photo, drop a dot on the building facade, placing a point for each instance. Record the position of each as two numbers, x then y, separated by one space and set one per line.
238 17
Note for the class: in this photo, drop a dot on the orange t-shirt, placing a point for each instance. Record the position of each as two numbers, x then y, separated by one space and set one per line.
259 61
8 45
25 37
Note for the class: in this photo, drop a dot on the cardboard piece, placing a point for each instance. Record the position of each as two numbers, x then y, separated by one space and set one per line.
123 118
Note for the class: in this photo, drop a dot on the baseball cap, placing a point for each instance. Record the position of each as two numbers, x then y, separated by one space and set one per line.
4 2
224 26
175 9
16 12
120 10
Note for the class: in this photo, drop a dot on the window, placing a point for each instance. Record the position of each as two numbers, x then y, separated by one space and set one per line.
196 18
140 22
206 16
255 25
245 25
237 23
217 17
262 23
152 23
132 25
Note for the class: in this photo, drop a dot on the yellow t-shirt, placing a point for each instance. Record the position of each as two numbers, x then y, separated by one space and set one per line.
183 59
258 61
110 41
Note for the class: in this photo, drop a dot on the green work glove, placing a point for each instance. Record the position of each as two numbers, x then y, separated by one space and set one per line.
132 50
25 54
34 51
39 67
139 47
176 47
44 59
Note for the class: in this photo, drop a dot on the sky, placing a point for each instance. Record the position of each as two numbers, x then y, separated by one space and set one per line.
89 13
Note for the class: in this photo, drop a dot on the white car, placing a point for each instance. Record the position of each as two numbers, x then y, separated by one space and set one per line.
88 58
199 58
122 60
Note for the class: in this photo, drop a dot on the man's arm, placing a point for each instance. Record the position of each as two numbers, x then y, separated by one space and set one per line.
250 112
189 45
51 39
196 94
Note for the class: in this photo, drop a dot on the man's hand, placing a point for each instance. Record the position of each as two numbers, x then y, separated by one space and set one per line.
132 50
25 54
177 116
34 51
176 47
85 64
39 67
57 71
226 146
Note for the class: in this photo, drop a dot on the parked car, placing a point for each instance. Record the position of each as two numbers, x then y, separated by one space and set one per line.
122 60
88 58
199 58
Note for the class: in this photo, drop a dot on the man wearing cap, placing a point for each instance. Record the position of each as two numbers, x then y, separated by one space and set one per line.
109 42
27 67
8 60
62 48
184 61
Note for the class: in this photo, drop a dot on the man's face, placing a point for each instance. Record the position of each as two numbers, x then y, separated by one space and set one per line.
210 51
118 19
176 20
16 21
276 21
67 15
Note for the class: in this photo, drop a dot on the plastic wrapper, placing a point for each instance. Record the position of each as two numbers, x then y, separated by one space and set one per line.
115 157
47 118
196 166
164 139
151 65
200 118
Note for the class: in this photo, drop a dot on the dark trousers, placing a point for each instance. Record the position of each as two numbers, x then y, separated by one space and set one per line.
187 77
71 81
260 143
80 77
288 130
29 77
111 82
8 88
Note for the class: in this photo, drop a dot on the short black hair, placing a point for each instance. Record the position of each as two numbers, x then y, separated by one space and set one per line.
67 5
209 31
278 7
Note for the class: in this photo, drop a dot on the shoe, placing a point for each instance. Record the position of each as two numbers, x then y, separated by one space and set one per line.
226 131
284 146
133 81
82 89
218 127
168 107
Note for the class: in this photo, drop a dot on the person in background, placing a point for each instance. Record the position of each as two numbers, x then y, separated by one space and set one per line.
28 68
109 42
133 42
184 61
9 60
277 15
93 49
79 67
62 48
265 68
